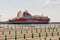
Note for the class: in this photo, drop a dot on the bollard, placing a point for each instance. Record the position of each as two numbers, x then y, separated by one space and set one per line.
39 35
5 37
3 32
46 35
15 36
24 36
32 35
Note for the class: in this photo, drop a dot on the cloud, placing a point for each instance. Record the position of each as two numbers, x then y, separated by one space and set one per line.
52 2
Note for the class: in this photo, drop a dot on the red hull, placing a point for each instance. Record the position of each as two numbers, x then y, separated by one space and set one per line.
30 20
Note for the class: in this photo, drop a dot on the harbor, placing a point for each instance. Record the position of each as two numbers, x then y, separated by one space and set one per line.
29 19
27 27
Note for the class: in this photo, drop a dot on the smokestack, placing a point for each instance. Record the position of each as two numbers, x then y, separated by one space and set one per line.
19 14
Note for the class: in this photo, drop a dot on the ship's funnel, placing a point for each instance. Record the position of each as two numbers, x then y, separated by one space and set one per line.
26 14
19 15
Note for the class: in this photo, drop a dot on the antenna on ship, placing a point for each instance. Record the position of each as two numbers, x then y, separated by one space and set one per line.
26 10
42 15
0 17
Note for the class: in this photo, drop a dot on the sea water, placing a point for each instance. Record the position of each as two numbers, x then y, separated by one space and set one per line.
28 25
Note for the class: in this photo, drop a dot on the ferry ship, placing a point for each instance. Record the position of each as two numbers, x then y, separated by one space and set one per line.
27 18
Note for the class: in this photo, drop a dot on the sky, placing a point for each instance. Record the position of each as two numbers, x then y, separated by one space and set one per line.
50 8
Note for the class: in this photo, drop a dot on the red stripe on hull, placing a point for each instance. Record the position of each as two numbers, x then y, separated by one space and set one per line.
31 20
